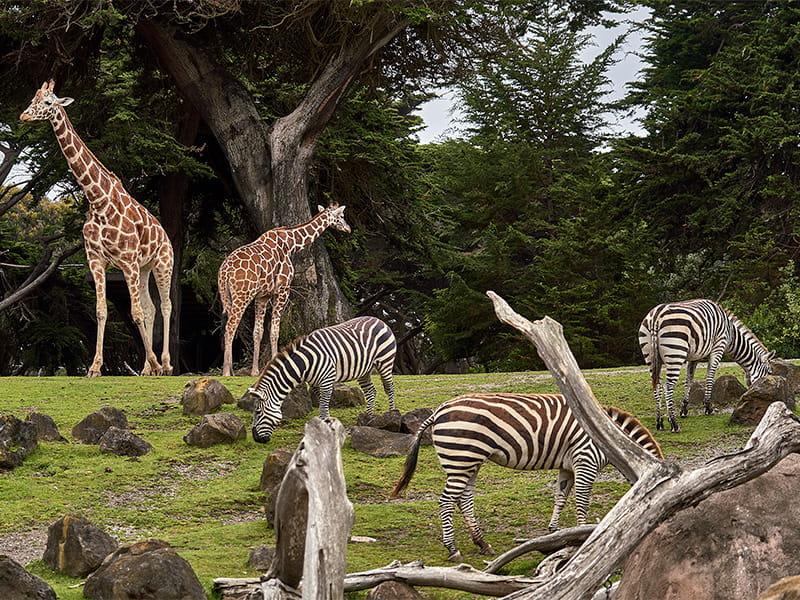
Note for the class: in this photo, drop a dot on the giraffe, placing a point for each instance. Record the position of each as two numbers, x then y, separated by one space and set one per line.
262 270
118 231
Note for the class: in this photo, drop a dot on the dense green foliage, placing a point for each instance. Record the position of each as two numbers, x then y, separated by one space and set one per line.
530 199
207 504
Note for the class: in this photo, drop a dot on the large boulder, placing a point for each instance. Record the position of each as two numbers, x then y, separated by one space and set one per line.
726 392
379 442
17 440
123 443
391 420
790 372
393 590
204 395
733 544
17 584
754 402
76 547
787 588
143 571
93 426
261 558
221 428
274 469
46 429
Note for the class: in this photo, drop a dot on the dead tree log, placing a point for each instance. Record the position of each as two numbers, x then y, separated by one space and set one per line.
659 490
313 519
572 536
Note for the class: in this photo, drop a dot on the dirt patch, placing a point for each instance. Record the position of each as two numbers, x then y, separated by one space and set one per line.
24 546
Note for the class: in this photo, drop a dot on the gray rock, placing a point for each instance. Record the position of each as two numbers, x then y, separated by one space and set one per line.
17 584
17 440
733 544
92 427
790 372
393 590
76 547
46 429
727 391
145 570
274 469
389 421
221 428
204 395
380 443
261 558
754 402
123 443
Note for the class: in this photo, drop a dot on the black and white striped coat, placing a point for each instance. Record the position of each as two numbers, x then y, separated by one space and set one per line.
519 431
687 332
344 352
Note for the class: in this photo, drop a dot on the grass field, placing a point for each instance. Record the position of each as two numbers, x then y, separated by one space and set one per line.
206 502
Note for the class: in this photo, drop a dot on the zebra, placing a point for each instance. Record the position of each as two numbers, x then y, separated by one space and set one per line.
687 332
520 431
325 356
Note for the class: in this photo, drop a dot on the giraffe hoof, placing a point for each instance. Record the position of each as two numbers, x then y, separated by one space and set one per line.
93 373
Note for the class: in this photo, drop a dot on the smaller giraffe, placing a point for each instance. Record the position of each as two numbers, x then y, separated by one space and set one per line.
118 231
262 270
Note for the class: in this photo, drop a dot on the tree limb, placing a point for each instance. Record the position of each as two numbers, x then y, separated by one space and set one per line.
34 282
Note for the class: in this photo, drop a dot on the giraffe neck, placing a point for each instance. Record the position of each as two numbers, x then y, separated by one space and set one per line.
95 180
301 236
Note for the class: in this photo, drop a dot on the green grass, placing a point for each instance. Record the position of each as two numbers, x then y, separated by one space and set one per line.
206 502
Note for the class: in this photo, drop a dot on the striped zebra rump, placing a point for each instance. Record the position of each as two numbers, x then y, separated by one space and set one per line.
519 431
679 333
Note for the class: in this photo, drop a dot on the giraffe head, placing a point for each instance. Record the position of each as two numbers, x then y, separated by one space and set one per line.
334 217
44 104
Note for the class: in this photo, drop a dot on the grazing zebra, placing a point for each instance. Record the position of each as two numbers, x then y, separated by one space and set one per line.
687 332
520 431
325 356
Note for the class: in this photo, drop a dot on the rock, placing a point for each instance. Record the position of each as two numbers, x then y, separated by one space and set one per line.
204 395
727 391
790 372
123 443
17 440
92 428
413 419
221 428
787 588
380 443
295 406
261 558
76 547
347 396
393 590
274 469
145 570
46 430
697 392
17 584
388 421
733 544
754 402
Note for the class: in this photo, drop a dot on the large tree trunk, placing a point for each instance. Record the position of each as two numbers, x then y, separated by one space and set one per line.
270 167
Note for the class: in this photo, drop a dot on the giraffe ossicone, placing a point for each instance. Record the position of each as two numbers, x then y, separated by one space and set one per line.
262 270
118 231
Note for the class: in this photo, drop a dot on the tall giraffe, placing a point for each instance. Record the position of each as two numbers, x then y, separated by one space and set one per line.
118 231
262 270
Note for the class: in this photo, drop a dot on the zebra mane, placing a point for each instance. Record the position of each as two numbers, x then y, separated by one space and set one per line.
280 356
744 329
634 429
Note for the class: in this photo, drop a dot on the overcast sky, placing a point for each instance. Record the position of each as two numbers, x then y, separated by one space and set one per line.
439 119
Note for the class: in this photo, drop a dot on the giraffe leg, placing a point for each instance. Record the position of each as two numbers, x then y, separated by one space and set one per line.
163 277
260 307
133 279
149 316
279 302
98 270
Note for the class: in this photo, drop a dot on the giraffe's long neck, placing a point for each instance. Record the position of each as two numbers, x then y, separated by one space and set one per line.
301 236
95 180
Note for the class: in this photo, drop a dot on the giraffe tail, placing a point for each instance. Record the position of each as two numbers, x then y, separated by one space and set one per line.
411 459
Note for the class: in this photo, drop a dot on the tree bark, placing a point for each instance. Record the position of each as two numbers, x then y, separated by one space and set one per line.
41 272
660 490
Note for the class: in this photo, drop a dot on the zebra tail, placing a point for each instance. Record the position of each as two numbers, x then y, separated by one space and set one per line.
411 460
655 363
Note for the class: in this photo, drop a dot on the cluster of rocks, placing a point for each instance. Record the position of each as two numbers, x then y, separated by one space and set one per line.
76 547
747 406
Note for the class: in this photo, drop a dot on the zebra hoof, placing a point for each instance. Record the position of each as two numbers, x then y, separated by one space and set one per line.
675 428
455 557
487 550
659 425
709 411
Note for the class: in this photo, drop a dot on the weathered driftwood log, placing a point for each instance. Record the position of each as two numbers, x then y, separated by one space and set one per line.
572 536
659 490
313 518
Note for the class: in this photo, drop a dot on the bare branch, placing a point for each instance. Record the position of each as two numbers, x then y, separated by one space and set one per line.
34 282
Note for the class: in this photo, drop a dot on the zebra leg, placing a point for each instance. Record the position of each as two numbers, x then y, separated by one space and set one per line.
690 367
563 488
657 393
713 364
669 388
365 382
466 504
325 393
453 489
585 474
385 372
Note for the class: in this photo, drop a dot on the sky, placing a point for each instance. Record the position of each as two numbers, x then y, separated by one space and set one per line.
438 114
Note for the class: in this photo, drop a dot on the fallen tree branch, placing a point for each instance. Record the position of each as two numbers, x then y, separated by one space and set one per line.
660 490
572 536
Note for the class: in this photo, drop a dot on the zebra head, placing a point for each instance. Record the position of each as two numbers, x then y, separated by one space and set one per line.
761 366
266 416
